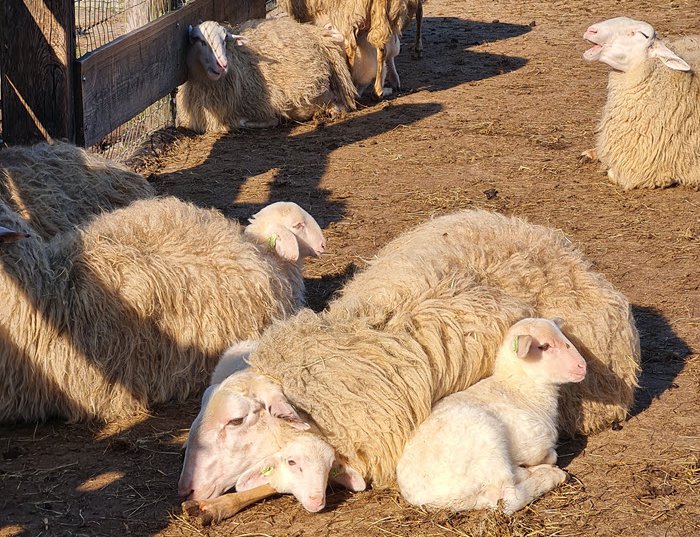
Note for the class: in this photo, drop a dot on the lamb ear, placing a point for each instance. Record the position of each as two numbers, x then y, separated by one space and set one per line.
348 477
256 476
279 407
521 345
668 57
283 241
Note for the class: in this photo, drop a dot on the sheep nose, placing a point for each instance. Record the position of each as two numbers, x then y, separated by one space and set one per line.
316 503
185 492
592 30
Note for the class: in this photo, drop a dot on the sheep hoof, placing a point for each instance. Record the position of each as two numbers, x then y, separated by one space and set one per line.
195 509
417 55
386 92
589 156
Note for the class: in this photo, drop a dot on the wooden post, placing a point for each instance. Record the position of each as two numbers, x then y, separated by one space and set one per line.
37 49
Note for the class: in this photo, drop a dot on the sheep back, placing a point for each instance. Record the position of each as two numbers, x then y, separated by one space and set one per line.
57 186
649 133
135 309
532 266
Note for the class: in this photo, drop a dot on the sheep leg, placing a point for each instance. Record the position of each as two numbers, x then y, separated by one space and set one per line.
541 480
393 75
247 124
223 507
418 47
379 81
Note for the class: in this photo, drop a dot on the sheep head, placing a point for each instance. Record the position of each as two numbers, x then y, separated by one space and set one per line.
624 43
208 48
288 229
239 423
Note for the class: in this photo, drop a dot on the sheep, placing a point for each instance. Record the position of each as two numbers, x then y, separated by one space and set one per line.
134 308
378 21
495 440
535 267
55 187
425 319
649 133
276 69
290 461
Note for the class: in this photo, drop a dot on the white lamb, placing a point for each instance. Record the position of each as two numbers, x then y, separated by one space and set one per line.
649 134
495 440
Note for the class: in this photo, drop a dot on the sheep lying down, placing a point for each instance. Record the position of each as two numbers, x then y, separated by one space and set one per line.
490 443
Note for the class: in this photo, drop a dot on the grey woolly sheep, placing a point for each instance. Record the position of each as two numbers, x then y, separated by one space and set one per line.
649 134
425 319
377 21
276 69
136 307
57 186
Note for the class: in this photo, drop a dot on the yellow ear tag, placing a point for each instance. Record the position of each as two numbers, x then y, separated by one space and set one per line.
266 471
515 345
272 240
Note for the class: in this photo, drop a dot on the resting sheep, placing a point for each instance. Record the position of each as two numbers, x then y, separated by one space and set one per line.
136 307
378 21
55 187
424 321
649 134
495 440
276 69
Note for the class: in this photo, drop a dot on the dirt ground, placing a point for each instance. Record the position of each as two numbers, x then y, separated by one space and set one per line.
494 116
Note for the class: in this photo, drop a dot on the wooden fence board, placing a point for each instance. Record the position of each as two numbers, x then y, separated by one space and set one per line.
37 48
116 82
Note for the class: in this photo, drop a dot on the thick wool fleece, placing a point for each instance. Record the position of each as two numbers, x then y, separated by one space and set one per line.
131 310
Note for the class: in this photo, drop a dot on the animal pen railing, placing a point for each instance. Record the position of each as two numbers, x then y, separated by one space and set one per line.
81 69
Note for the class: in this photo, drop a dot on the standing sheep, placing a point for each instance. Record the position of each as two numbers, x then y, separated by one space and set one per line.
378 21
426 319
649 135
495 440
55 187
135 307
276 69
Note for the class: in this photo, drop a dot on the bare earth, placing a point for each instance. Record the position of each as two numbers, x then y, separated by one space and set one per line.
494 116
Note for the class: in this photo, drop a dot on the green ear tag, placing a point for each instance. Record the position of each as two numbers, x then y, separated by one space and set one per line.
267 470
272 240
335 472
515 345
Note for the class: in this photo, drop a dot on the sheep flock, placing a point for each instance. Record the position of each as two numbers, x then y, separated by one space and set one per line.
464 367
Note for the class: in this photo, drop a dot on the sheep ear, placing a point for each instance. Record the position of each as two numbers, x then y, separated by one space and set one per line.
239 40
279 407
668 58
521 345
256 476
283 241
348 477
559 321
10 235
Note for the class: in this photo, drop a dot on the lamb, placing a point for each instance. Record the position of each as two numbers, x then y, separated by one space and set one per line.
55 187
378 21
134 308
424 321
495 441
276 69
649 134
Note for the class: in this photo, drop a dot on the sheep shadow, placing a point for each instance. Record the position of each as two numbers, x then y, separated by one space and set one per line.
448 60
664 356
279 165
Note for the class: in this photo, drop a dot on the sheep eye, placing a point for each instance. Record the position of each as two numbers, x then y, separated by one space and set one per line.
291 462
645 35
298 225
235 422
544 347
